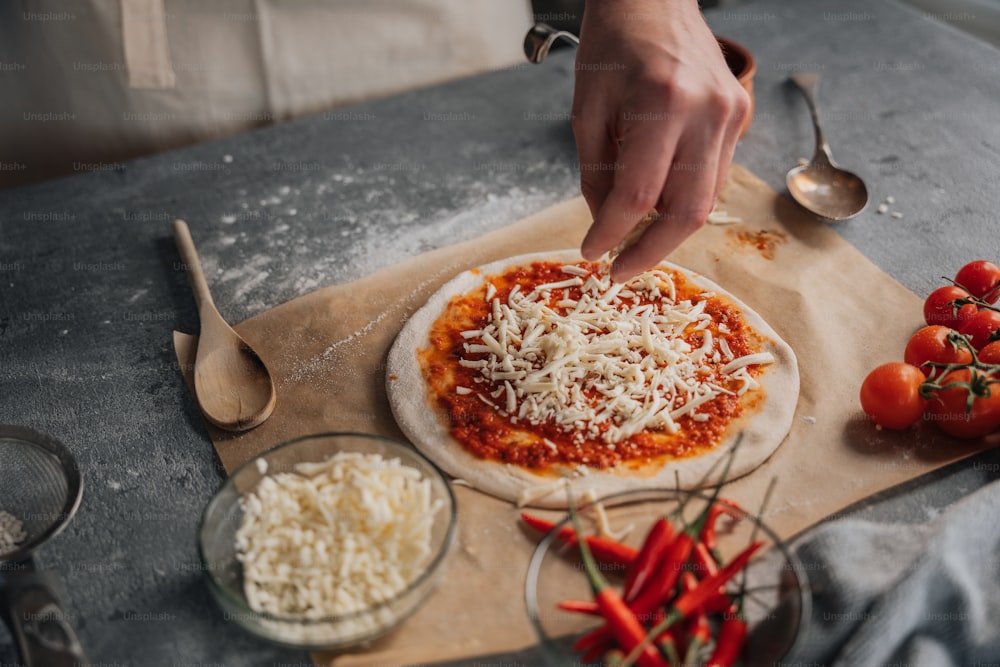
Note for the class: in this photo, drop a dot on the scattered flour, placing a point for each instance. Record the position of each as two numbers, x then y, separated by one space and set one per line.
304 285
317 368
357 334
372 228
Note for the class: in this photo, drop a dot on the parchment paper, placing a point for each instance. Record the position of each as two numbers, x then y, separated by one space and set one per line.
840 313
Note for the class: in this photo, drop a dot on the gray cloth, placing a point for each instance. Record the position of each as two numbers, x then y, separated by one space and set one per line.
915 595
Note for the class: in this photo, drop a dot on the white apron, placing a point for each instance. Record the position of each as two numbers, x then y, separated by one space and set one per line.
85 84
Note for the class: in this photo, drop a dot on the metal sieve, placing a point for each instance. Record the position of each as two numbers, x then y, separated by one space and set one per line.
40 487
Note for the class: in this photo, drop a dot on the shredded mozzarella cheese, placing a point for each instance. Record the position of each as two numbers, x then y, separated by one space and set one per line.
334 537
604 525
603 360
717 217
530 494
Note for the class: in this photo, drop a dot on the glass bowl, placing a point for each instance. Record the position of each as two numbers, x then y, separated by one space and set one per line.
775 608
222 517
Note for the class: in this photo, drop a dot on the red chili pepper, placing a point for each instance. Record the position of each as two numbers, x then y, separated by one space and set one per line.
593 638
704 561
624 626
689 582
691 601
700 632
728 644
719 507
603 549
701 635
733 631
717 603
657 587
673 563
622 623
646 610
662 583
668 647
580 606
707 566
674 559
660 535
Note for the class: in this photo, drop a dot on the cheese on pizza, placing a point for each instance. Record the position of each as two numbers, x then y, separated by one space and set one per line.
552 364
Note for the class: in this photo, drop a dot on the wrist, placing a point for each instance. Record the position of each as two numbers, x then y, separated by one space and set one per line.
637 17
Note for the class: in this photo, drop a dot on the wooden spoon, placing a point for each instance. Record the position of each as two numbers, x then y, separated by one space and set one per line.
231 384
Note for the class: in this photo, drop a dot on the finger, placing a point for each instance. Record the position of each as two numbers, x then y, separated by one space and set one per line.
687 200
596 149
730 141
643 161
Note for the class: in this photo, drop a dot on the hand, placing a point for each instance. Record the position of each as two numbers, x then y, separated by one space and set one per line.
656 115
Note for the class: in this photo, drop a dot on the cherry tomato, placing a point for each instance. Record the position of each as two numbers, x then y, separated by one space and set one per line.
991 353
890 395
981 279
932 343
981 328
948 407
938 307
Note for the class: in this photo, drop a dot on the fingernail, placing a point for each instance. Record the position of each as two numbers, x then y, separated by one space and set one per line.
591 254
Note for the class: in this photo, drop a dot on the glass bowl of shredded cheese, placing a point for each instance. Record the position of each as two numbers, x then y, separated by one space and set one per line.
775 591
327 541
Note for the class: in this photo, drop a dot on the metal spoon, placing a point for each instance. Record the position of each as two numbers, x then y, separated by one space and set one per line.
231 384
540 38
822 187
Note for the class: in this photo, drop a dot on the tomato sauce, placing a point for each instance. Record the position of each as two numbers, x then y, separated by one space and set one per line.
765 240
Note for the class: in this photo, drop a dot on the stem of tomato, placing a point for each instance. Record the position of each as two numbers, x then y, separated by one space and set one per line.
979 302
930 385
977 386
975 301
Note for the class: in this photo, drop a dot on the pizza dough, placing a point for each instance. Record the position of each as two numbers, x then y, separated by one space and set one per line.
422 421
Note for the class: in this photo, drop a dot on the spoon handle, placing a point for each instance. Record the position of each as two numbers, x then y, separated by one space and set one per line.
185 244
808 84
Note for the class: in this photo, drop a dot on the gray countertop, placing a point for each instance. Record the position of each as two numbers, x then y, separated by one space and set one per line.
91 285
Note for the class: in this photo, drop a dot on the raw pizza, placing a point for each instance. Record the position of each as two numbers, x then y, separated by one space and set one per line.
531 370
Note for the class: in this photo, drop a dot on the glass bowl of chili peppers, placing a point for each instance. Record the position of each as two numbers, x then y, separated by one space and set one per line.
697 580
